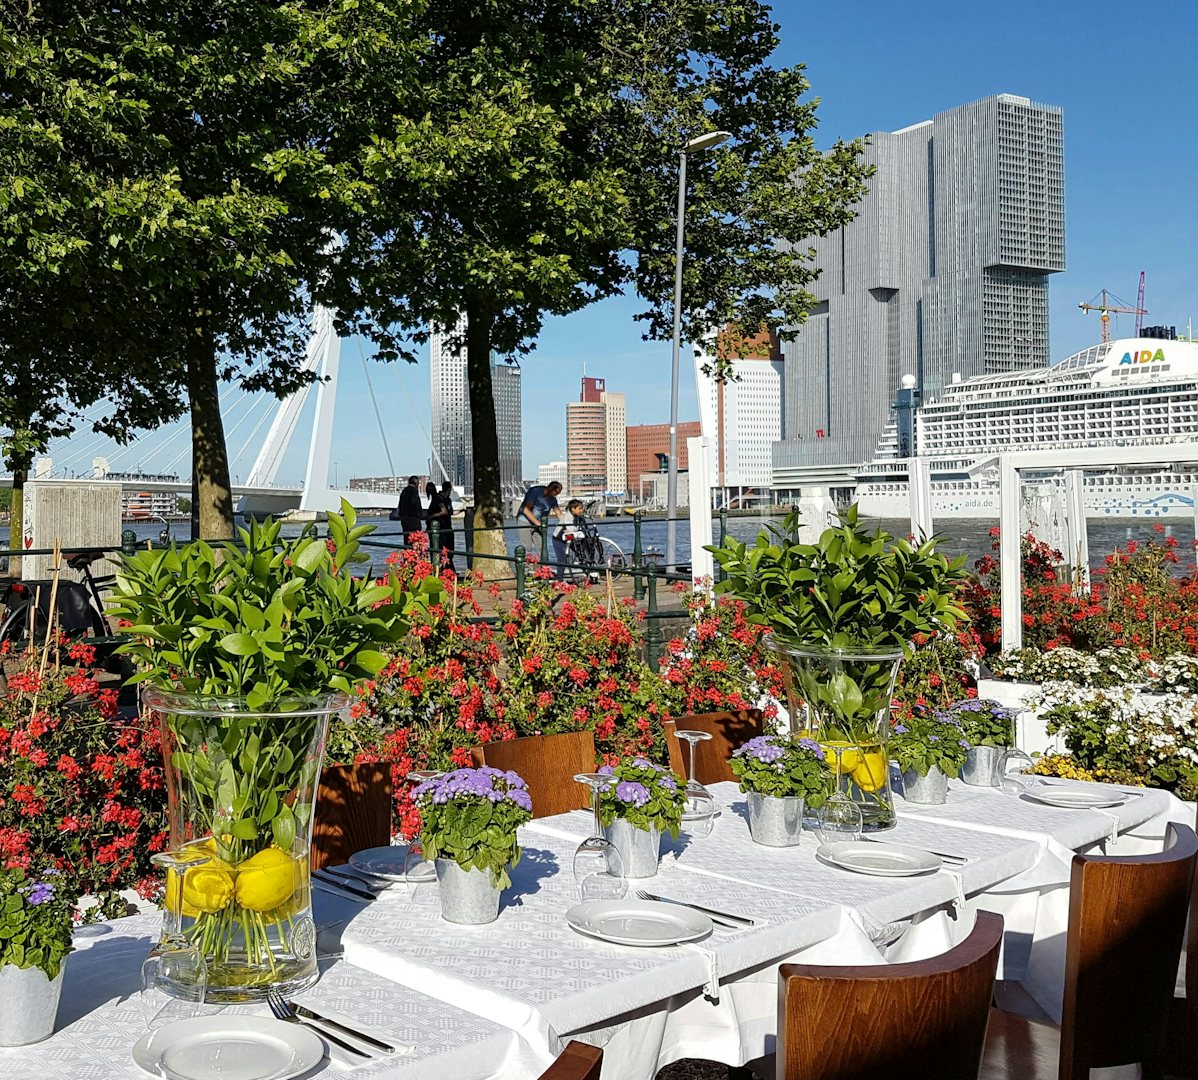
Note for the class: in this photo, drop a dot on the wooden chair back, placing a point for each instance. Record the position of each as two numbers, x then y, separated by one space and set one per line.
1127 918
548 764
353 812
899 1021
729 730
577 1062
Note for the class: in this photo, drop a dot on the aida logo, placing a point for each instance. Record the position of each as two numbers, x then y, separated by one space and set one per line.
1142 356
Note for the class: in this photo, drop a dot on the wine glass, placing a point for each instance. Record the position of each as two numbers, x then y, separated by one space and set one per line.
598 868
174 976
417 869
698 816
839 819
1013 783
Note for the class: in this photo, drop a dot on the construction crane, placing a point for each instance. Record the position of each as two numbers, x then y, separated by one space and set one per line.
1140 305
1105 306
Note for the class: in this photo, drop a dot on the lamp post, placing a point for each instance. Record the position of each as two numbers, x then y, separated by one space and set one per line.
695 146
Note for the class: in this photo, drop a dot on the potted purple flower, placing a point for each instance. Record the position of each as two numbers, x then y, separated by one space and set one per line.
930 748
780 776
645 801
469 819
35 938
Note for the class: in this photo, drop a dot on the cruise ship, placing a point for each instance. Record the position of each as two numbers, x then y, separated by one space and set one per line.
1130 392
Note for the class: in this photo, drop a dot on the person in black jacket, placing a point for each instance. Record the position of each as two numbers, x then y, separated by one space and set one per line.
410 510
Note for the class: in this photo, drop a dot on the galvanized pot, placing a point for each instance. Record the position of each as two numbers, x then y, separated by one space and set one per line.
932 788
639 849
981 766
30 1004
775 821
467 896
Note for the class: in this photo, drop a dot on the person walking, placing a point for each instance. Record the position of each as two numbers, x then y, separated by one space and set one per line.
410 510
540 504
437 511
447 521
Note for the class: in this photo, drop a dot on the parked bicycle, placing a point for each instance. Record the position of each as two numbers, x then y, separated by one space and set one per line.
79 604
587 553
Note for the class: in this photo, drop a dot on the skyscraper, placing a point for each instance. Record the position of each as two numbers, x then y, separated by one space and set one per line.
596 443
452 431
944 270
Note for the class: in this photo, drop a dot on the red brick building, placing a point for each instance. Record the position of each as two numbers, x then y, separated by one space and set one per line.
646 442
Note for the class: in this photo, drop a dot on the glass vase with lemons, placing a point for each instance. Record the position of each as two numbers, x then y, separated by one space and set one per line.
245 652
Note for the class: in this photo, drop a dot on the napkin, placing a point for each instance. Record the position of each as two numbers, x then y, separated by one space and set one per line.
959 899
1113 818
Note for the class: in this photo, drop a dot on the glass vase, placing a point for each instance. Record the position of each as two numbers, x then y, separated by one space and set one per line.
241 788
844 696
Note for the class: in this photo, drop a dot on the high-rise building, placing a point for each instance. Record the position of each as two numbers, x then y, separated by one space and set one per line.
649 452
615 442
944 271
452 431
551 471
742 414
596 448
592 390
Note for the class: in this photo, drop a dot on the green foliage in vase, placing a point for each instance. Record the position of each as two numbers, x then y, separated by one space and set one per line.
35 922
850 588
271 621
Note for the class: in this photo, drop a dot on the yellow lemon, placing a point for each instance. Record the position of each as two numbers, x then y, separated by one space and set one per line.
850 755
266 880
870 774
208 888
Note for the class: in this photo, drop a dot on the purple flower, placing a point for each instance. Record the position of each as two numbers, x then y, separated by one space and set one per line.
933 738
764 748
606 770
521 798
667 782
964 743
630 791
901 729
40 893
812 747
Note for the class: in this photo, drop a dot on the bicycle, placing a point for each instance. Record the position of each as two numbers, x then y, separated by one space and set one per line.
79 604
587 552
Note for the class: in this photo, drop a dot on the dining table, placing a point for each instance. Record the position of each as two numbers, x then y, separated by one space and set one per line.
498 1001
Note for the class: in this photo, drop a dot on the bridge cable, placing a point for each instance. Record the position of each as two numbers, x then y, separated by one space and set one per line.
374 401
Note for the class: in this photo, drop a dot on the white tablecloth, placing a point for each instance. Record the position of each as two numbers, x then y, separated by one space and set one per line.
100 1018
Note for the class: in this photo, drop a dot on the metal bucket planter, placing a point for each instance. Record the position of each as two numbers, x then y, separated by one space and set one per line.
981 766
775 821
640 849
930 789
30 1004
468 897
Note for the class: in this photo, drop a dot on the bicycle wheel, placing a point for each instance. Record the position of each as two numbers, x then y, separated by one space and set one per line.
613 556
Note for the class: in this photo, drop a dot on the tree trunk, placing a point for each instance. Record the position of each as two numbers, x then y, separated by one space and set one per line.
488 494
209 455
16 516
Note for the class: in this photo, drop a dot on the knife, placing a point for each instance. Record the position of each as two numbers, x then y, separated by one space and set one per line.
353 879
311 1014
744 920
338 888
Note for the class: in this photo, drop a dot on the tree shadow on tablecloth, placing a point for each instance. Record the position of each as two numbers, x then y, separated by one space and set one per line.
535 865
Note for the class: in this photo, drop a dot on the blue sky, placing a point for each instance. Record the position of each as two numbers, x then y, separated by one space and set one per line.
1124 75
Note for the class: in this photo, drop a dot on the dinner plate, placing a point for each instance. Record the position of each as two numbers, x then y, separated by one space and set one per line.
638 922
1074 798
388 863
881 859
229 1048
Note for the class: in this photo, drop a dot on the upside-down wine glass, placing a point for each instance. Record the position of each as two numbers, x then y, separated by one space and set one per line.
598 868
698 817
1013 782
839 819
417 869
174 976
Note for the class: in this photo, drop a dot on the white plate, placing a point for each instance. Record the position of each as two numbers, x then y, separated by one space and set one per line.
881 859
638 922
388 863
229 1048
1074 798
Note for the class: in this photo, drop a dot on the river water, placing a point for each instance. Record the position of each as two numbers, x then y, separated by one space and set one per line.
969 536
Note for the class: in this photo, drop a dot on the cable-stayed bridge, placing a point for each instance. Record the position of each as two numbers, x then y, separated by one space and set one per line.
245 415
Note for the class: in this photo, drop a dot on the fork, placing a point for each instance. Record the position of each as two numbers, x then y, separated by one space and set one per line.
283 1011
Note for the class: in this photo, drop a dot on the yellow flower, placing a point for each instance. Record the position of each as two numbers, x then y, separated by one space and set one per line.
266 880
870 774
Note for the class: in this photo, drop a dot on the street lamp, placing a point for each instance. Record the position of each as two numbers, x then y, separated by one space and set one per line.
696 146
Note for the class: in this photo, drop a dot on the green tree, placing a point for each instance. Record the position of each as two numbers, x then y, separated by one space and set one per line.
171 172
543 146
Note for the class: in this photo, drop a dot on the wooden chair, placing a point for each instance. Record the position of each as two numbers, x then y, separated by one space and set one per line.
729 730
1126 920
1181 1046
353 812
577 1062
548 764
899 1021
